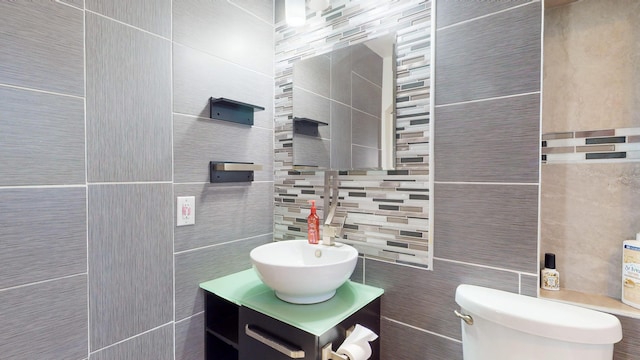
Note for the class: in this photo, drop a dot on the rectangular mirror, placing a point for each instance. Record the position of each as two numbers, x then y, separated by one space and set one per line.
343 108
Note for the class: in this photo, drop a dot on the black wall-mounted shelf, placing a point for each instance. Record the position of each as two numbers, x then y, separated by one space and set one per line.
224 172
306 126
231 110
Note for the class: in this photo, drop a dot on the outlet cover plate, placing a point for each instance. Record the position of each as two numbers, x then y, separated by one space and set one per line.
186 210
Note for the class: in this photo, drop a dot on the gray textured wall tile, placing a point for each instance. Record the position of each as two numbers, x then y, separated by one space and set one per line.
367 63
130 260
495 225
340 129
42 138
400 342
358 272
232 211
312 106
261 8
201 265
151 15
190 338
198 76
529 285
341 75
313 74
197 141
42 46
156 345
128 103
366 96
492 141
47 321
43 234
311 151
367 129
494 56
226 31
365 158
426 299
449 12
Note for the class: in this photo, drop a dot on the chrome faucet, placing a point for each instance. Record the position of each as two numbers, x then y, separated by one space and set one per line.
331 191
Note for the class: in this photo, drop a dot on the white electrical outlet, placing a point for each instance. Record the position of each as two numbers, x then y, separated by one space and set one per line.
186 211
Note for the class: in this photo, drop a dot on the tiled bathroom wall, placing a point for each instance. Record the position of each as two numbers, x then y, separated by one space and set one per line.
590 175
487 77
103 122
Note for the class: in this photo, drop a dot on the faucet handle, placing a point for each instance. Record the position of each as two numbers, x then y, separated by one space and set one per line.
328 234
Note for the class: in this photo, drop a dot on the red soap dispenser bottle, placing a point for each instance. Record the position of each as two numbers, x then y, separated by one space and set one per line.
313 225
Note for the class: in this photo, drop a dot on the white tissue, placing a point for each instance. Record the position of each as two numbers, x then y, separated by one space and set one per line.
357 351
356 345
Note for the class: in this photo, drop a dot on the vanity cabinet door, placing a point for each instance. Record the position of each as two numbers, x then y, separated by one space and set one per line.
265 338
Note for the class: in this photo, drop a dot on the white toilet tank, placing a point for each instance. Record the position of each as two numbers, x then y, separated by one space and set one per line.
508 326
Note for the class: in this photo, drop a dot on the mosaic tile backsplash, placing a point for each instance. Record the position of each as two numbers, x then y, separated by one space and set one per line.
385 213
607 145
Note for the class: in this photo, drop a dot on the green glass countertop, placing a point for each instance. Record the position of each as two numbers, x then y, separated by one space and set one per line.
244 288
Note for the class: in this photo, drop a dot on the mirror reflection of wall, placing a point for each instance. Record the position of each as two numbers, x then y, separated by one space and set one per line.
343 105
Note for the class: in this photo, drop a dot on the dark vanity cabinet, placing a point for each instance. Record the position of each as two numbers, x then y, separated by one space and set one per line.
221 328
245 320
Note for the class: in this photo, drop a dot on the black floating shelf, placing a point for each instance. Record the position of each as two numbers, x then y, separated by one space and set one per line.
224 172
231 110
306 126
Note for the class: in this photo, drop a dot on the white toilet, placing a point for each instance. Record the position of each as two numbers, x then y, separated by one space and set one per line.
498 325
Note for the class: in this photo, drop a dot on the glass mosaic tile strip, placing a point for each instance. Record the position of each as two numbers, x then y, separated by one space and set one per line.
606 145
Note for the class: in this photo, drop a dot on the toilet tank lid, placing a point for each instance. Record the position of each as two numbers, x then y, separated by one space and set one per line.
539 316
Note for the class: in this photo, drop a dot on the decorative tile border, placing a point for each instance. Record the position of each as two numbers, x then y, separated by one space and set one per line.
385 213
609 145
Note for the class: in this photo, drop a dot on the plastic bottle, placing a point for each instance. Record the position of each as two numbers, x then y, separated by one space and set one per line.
631 272
550 276
313 225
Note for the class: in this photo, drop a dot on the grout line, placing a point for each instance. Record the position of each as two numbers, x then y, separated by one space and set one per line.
489 99
129 183
40 282
130 338
484 183
190 317
222 184
69 5
127 25
271 77
206 118
220 244
407 264
422 330
484 266
173 192
365 79
250 13
486 15
42 91
432 138
86 179
539 214
42 186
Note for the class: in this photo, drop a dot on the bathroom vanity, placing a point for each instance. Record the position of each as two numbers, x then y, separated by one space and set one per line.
245 320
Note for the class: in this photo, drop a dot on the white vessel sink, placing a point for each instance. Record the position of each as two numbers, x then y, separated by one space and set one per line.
302 273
